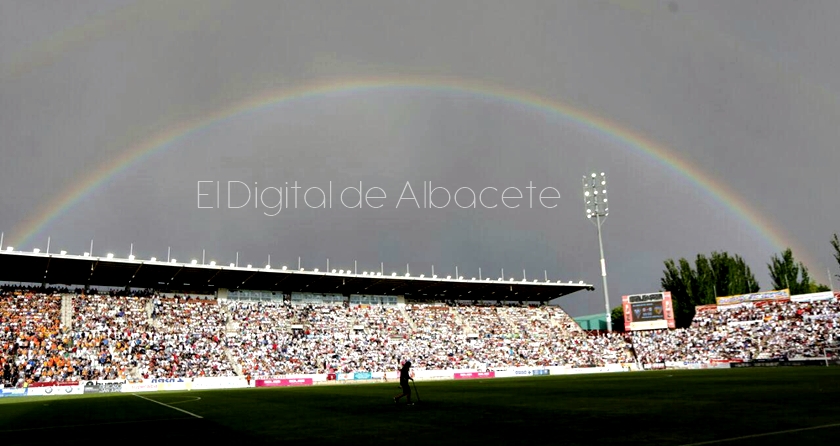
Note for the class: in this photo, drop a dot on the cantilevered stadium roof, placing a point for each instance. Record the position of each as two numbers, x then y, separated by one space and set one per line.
73 270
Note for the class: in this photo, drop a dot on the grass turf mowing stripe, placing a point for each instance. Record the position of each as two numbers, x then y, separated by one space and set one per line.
69 426
645 408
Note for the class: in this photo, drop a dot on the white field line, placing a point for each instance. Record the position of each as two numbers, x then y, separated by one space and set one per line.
195 398
767 434
167 405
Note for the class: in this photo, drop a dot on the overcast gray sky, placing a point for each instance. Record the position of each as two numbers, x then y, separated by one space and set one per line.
739 95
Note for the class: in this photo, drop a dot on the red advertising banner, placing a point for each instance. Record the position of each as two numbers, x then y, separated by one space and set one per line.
475 375
700 308
284 382
725 361
669 310
54 383
628 313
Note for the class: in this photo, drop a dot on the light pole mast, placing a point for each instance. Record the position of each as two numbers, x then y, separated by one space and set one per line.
595 197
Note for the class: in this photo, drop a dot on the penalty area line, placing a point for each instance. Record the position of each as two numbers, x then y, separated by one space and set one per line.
767 434
167 405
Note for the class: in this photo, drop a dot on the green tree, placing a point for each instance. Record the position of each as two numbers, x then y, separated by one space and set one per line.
679 278
818 288
786 272
717 275
732 275
835 243
617 315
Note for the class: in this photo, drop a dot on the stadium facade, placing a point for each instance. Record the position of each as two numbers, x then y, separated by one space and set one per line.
592 322
182 326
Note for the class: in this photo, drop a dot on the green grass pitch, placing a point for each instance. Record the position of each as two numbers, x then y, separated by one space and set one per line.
791 405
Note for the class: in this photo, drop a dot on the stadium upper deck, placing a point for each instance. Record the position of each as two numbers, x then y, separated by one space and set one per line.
65 269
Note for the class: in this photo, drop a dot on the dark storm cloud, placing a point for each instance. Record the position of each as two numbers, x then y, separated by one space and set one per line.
745 92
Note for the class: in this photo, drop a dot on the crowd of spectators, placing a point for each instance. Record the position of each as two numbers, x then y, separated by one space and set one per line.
109 338
187 339
114 336
383 321
32 338
762 330
260 335
108 333
435 336
276 338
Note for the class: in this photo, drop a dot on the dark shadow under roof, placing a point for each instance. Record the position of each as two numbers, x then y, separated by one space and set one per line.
70 270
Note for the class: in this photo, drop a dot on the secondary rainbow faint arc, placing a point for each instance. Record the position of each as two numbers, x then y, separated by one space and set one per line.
92 180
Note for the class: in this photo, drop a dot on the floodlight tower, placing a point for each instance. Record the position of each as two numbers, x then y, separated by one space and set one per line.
595 198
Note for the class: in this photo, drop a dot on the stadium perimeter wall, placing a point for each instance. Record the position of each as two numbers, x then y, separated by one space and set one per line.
238 382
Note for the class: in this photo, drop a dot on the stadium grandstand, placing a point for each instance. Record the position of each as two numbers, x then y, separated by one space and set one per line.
107 319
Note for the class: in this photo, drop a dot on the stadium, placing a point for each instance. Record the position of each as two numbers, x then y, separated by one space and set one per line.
170 344
385 222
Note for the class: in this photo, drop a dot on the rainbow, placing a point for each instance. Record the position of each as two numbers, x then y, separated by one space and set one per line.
624 136
98 27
